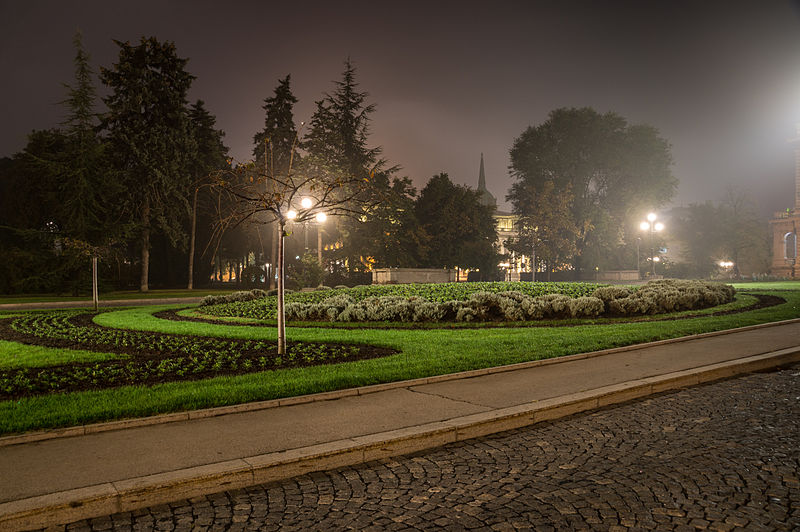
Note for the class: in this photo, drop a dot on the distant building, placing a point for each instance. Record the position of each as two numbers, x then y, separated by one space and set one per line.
785 225
512 263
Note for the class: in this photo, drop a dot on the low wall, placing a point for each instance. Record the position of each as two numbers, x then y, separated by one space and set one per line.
618 275
613 275
413 275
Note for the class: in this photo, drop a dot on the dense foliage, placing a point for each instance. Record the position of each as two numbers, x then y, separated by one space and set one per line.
464 302
728 230
610 172
264 308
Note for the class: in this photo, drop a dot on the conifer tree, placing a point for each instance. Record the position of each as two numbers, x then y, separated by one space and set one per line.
339 129
278 143
279 133
211 156
337 141
84 185
151 139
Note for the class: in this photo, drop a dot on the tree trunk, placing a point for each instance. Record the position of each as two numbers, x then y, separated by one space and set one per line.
281 312
191 239
145 253
95 292
274 257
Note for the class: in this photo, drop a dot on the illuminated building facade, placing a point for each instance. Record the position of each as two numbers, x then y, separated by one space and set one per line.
785 226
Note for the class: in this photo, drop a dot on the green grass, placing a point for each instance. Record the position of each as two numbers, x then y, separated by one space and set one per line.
422 353
767 285
16 355
109 296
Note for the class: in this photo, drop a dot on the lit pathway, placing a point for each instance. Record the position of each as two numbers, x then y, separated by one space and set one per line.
723 456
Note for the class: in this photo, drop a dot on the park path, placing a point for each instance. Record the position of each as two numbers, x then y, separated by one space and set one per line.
46 480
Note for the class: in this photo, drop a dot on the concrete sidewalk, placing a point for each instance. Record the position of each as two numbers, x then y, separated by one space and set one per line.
58 477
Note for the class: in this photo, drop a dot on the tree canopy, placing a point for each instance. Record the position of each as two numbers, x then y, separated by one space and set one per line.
613 171
151 138
461 231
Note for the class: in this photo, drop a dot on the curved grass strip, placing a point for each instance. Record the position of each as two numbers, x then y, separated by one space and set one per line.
153 357
424 353
16 355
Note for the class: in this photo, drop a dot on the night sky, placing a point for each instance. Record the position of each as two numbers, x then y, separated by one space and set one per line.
719 79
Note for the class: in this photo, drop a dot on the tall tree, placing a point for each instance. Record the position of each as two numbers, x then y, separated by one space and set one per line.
62 188
612 170
298 196
728 230
279 133
462 232
545 227
88 190
276 147
151 138
339 129
389 235
211 156
744 236
337 141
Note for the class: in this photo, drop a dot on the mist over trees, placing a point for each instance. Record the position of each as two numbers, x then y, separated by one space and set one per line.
595 174
726 230
135 179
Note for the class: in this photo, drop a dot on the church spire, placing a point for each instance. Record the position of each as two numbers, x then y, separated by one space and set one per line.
486 197
481 177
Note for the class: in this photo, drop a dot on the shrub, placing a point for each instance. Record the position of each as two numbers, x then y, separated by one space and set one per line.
607 294
586 307
244 295
478 301
672 295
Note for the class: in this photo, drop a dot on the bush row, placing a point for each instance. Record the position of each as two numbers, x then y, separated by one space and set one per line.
665 295
265 308
652 298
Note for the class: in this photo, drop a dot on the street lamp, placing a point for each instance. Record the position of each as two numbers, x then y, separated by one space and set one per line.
321 217
653 227
638 266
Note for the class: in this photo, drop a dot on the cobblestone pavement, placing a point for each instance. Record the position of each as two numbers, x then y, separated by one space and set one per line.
724 456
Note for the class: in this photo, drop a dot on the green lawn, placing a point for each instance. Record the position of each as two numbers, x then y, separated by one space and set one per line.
423 352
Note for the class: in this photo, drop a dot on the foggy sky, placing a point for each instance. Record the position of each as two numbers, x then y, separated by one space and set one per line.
452 80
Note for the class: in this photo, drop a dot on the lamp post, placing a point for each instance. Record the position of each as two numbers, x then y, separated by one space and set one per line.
652 226
320 217
638 266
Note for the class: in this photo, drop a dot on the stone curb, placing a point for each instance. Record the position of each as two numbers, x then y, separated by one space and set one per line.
81 430
132 494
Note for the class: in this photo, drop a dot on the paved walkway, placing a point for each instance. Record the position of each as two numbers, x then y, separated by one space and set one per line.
722 457
103 303
58 480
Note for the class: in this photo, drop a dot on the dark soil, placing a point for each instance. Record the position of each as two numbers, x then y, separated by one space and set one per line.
80 376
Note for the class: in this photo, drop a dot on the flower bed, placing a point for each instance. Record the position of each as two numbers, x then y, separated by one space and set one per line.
258 305
653 298
149 357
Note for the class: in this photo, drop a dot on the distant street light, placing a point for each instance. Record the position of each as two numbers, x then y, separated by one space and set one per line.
652 226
